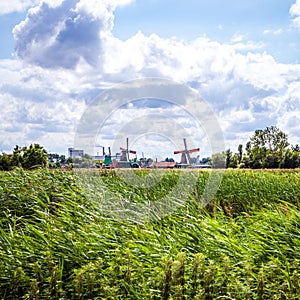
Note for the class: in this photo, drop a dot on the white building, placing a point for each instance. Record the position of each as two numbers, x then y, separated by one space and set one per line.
75 153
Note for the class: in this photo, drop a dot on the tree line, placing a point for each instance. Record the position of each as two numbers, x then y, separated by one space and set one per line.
268 149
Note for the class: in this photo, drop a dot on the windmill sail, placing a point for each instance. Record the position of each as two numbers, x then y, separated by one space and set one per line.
179 151
185 154
194 150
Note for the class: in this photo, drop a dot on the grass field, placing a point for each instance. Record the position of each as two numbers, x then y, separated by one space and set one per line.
59 239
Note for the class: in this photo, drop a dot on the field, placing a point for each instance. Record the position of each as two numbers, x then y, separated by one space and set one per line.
67 235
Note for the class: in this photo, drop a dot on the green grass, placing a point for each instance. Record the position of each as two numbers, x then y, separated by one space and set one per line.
58 239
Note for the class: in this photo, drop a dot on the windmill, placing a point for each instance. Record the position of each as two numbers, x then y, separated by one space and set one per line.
107 158
124 161
185 154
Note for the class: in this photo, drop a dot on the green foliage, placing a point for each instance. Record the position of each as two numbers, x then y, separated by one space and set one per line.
83 162
266 148
232 160
34 156
296 148
56 160
291 159
218 160
56 243
240 153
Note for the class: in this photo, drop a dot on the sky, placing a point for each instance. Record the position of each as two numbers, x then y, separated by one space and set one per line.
58 56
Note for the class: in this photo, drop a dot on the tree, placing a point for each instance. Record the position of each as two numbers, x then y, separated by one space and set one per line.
17 156
26 157
5 162
267 147
296 148
231 159
205 160
270 138
169 159
228 156
56 160
240 153
291 159
218 160
245 162
34 156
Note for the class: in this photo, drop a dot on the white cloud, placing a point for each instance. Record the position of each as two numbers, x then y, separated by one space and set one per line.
62 34
7 7
290 116
73 55
274 32
170 123
238 37
59 36
100 9
260 70
290 123
295 12
33 107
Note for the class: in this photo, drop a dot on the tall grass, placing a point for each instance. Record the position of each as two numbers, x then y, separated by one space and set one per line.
57 243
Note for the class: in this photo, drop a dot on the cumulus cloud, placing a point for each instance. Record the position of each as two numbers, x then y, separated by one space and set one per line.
33 109
295 12
57 36
7 7
289 117
62 33
73 55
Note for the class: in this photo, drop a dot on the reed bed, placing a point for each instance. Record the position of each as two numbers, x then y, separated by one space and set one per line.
57 242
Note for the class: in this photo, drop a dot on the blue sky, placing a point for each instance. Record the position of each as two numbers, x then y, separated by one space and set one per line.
242 57
267 21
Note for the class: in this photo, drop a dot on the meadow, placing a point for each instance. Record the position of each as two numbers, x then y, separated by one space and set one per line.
59 239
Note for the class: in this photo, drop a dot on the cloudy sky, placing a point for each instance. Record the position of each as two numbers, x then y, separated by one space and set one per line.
56 57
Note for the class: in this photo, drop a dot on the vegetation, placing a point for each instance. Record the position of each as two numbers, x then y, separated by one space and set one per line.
58 160
268 149
57 243
34 156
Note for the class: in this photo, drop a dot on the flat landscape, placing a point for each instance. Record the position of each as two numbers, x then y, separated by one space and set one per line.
57 241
